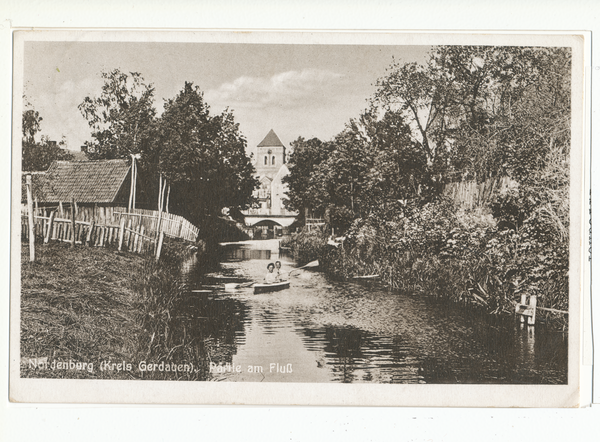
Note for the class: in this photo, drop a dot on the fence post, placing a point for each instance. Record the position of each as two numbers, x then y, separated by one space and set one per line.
136 239
141 240
161 237
523 302
121 232
73 220
532 305
50 225
30 218
89 234
128 234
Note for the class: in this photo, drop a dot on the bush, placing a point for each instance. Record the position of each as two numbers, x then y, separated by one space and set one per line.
460 255
308 245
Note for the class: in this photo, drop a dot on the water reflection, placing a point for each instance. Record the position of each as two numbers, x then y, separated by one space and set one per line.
328 331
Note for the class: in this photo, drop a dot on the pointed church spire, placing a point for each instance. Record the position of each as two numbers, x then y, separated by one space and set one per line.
271 140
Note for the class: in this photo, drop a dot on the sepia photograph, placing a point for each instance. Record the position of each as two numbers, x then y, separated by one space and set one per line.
278 218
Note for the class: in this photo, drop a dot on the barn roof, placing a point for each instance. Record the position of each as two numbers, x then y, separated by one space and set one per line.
86 181
271 140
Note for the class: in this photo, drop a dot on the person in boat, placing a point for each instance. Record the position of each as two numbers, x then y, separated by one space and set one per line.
278 271
271 277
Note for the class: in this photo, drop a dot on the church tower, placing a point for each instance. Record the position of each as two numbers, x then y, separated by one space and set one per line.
270 155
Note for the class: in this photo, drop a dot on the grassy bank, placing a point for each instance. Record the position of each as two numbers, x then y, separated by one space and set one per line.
101 307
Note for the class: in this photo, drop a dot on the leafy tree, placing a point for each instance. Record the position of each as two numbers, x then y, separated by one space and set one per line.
305 158
121 118
38 155
202 157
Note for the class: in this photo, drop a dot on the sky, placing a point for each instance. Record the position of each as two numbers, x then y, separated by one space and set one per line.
296 90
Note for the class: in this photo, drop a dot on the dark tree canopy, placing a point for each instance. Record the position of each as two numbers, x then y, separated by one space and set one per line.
202 157
199 158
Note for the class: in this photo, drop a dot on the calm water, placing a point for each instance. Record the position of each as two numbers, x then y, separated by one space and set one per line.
320 330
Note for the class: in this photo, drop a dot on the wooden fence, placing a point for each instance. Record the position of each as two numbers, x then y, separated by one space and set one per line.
123 236
470 194
139 231
172 225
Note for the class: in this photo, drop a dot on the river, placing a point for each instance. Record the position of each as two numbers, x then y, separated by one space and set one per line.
320 330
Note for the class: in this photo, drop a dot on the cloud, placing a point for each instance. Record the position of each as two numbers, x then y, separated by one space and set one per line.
59 110
287 89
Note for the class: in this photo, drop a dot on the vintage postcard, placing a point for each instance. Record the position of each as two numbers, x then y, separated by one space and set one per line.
298 218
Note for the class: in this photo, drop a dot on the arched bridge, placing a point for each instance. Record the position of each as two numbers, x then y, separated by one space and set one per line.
282 220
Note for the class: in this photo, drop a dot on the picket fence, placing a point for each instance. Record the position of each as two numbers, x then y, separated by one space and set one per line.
172 225
123 236
139 230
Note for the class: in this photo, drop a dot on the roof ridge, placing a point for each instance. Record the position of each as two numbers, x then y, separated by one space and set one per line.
91 161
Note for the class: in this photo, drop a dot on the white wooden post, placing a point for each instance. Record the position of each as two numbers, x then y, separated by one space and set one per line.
128 234
50 226
73 220
30 219
160 243
89 234
136 239
532 306
121 232
134 182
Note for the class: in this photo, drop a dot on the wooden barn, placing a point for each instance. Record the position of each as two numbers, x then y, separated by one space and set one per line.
97 187
100 191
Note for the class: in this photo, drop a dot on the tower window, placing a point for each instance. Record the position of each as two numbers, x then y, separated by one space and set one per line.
273 160
266 160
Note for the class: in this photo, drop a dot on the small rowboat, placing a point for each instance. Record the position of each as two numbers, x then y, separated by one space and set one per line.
366 277
264 288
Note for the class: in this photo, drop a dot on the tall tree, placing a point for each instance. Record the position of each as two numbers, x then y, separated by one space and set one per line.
202 157
121 118
305 158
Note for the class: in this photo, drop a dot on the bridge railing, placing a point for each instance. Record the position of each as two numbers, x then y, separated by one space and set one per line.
258 211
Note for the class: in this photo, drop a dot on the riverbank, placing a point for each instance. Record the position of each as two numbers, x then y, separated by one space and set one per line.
440 252
96 313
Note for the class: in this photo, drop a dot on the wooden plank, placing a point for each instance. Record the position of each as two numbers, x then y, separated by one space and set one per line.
128 234
73 220
532 305
81 232
57 219
523 302
50 227
89 234
97 233
30 218
523 309
121 233
53 232
141 239
136 238
161 238
552 310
